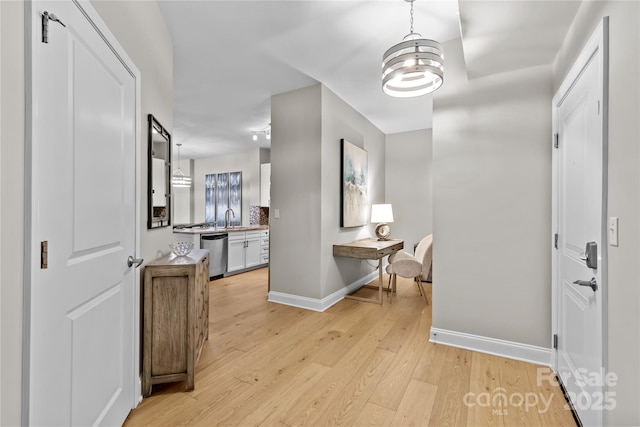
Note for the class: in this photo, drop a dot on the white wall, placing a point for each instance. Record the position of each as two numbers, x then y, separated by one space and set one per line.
265 155
0 215
247 162
492 203
11 207
307 125
624 189
294 238
340 120
408 184
140 28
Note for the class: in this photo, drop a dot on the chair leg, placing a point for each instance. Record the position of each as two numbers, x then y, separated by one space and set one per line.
391 287
421 286
415 280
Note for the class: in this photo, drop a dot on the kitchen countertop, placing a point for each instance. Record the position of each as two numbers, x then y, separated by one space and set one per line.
218 230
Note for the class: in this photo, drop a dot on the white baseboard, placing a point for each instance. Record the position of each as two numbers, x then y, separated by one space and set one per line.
497 347
137 392
320 304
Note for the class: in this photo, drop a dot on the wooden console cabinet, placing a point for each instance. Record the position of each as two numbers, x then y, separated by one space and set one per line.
176 318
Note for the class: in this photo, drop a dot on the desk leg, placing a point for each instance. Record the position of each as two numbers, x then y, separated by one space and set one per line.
380 281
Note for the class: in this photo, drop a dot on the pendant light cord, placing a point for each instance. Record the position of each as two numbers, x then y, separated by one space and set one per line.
411 31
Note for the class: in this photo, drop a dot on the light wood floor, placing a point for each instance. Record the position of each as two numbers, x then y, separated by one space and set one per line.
355 364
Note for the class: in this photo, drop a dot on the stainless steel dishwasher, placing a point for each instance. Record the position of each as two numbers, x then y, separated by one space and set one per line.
217 245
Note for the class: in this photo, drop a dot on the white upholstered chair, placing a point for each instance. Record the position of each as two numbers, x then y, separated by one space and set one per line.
417 267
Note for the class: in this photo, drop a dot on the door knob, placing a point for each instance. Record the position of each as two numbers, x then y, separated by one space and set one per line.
131 261
591 283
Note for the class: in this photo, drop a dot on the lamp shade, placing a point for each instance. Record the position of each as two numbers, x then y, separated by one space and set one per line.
179 179
381 213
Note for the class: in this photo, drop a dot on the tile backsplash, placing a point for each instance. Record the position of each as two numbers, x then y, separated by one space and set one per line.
258 215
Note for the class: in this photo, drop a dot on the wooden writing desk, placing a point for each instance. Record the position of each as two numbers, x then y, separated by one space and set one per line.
370 248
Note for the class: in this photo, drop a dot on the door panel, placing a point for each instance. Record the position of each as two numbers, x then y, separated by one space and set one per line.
92 337
580 219
98 148
83 204
574 131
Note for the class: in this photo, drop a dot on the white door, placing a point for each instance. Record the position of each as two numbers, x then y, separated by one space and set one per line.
83 205
581 282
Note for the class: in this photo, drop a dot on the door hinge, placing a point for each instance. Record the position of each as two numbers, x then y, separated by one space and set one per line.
555 341
44 254
556 138
46 17
555 240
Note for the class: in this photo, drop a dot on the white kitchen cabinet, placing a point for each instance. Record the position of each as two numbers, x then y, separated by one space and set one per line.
265 184
264 247
235 252
243 251
252 252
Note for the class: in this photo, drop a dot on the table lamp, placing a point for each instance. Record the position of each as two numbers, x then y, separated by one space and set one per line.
382 214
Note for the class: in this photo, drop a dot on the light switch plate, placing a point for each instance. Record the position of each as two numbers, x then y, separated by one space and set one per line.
613 231
276 213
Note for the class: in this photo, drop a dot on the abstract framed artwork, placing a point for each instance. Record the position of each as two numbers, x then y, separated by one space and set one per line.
354 185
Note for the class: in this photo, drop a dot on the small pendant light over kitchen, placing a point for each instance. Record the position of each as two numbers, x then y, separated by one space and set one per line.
179 179
413 67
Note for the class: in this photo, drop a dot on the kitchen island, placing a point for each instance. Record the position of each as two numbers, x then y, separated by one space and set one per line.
199 230
247 247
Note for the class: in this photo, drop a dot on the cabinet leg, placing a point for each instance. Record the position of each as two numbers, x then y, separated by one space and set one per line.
146 389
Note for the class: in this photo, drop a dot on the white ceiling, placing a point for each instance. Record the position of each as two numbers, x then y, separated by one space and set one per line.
230 57
501 36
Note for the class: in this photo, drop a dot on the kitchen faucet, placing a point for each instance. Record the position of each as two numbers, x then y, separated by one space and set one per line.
227 222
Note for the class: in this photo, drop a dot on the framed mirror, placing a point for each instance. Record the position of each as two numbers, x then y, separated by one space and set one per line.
159 175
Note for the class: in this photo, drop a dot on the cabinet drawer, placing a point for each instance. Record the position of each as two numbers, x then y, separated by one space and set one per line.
264 259
236 235
264 233
253 234
264 250
264 241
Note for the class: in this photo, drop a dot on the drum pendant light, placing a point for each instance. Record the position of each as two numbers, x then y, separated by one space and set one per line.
413 67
